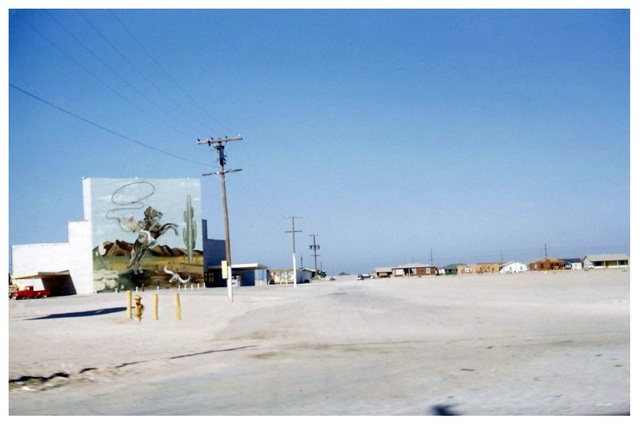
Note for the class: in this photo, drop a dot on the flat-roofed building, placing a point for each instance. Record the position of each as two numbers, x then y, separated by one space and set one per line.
605 261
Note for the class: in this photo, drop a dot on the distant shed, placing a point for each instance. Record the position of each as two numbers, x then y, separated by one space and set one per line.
382 272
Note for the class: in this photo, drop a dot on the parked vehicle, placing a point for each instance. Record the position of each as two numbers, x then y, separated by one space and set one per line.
29 292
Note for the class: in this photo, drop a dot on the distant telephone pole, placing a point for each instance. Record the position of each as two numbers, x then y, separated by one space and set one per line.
222 159
293 232
315 247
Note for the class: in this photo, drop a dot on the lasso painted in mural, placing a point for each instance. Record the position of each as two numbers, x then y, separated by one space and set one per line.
149 229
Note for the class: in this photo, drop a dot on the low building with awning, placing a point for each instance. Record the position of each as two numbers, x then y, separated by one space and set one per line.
248 274
58 283
605 261
62 268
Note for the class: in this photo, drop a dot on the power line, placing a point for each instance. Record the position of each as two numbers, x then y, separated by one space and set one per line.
115 133
133 66
79 65
113 70
163 70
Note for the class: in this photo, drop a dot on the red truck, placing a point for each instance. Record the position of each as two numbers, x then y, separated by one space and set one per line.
29 292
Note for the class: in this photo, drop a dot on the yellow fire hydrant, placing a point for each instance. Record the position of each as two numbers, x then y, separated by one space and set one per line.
138 307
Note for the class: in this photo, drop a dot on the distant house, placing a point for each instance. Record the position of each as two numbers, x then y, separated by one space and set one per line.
451 269
408 270
605 261
572 263
315 274
545 264
478 268
513 267
286 276
382 272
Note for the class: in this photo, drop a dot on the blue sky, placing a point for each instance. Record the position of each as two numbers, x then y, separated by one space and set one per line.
396 135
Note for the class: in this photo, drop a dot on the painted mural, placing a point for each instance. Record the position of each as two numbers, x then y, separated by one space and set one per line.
145 233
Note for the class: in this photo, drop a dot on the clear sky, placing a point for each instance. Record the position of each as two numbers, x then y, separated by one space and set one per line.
395 135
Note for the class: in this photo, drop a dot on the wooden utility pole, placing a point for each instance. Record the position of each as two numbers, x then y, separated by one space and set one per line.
293 232
315 247
222 159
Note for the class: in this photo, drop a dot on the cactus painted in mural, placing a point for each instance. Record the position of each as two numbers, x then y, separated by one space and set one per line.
190 230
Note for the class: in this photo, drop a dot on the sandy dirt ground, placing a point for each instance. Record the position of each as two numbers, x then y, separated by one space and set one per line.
555 343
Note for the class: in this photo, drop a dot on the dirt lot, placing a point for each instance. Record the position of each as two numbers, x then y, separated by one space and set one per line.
524 344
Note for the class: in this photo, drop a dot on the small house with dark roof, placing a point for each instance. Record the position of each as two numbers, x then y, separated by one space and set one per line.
451 269
572 263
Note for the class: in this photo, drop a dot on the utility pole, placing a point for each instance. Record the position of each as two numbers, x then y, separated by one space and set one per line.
315 247
545 250
222 159
431 257
293 232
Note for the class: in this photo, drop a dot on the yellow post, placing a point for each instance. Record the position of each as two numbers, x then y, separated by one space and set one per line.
155 306
128 304
177 303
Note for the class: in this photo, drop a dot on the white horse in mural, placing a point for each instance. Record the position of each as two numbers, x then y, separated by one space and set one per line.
149 230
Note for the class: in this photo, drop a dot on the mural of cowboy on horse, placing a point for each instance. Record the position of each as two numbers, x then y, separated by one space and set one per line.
149 230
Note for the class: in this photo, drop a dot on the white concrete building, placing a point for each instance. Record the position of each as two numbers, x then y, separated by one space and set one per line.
63 268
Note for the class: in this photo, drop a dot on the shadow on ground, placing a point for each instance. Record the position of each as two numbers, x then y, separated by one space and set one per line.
443 410
98 312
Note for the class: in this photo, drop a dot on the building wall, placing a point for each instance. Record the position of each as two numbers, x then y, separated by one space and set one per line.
214 249
80 257
214 254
